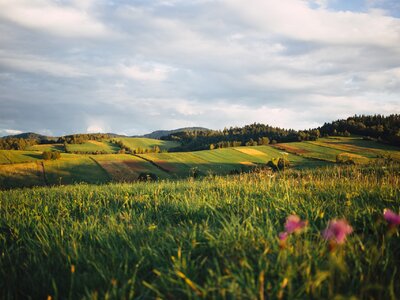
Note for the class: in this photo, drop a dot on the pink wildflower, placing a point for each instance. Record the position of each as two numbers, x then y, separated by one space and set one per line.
294 224
392 218
337 230
283 236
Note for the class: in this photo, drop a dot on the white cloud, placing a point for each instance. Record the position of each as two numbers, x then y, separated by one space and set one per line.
36 64
94 129
57 19
150 73
296 20
214 63
9 131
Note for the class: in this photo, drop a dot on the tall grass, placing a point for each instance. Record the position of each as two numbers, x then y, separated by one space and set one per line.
209 238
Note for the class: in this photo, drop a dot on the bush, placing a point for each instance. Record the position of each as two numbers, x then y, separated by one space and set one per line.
51 155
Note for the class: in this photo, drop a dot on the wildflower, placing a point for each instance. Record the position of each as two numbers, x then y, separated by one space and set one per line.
294 224
72 269
337 230
392 218
283 236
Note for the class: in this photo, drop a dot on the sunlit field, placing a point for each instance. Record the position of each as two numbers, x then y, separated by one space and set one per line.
217 237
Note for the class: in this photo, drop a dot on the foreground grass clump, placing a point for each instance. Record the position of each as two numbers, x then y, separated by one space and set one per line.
212 238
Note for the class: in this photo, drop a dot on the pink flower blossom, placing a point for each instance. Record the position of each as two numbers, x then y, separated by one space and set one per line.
294 224
337 230
283 236
392 218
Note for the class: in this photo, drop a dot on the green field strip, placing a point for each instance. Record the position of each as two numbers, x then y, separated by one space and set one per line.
74 169
48 147
146 143
21 156
174 163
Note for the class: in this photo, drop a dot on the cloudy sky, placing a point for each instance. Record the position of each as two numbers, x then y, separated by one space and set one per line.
135 66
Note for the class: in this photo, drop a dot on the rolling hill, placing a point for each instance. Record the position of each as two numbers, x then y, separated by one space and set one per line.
86 167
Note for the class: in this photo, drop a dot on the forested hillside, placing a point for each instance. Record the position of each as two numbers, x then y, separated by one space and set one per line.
383 128
249 135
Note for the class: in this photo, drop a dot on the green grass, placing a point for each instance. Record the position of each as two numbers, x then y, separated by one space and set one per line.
145 143
93 146
18 156
47 147
214 238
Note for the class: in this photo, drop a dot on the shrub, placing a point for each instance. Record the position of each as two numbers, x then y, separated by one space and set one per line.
51 155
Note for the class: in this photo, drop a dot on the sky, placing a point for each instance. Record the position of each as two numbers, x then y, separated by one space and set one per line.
132 67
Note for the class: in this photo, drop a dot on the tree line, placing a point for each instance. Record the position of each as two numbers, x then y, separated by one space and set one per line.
16 143
82 138
383 128
249 135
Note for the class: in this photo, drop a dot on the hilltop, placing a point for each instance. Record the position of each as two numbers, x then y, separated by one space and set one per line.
158 134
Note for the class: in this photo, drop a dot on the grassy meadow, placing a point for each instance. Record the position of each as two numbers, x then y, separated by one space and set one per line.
47 147
18 156
216 237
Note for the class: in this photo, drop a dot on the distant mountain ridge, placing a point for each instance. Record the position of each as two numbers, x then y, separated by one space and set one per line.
153 135
161 133
29 136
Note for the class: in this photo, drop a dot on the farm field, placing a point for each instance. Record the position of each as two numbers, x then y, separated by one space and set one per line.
369 149
93 146
328 148
224 161
216 237
47 147
72 168
146 143
126 168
